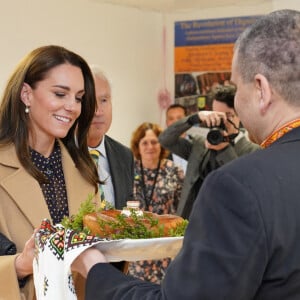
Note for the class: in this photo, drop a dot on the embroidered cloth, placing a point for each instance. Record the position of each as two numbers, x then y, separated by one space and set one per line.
56 249
280 132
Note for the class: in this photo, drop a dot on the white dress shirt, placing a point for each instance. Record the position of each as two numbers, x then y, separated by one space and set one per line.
179 161
104 174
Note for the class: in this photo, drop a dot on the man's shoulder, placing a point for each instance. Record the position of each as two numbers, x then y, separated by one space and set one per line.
116 145
248 164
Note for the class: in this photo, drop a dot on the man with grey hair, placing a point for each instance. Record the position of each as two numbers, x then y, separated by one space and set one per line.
243 239
115 161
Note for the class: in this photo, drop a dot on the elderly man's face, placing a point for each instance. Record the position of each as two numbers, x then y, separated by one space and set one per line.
103 115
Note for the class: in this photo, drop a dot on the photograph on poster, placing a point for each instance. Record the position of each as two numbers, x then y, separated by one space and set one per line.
193 90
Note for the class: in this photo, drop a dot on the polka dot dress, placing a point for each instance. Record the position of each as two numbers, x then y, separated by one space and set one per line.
54 191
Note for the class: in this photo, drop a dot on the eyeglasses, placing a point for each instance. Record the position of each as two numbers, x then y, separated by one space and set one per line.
149 143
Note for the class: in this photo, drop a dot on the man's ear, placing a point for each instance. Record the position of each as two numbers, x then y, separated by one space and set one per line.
26 94
264 93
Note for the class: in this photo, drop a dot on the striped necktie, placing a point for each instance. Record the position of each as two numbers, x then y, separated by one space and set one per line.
95 154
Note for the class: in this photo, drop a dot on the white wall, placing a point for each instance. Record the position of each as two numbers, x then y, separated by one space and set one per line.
290 4
125 42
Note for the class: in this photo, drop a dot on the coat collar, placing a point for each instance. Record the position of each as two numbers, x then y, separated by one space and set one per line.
26 192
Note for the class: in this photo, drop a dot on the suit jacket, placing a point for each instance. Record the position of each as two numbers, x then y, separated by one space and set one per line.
120 161
243 238
23 207
198 157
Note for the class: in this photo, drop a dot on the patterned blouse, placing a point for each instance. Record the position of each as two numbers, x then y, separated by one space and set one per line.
54 191
165 197
167 189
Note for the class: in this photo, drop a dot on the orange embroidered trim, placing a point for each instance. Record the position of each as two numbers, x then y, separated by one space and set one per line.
280 132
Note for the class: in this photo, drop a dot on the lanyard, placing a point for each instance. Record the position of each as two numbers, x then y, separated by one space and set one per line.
148 200
280 132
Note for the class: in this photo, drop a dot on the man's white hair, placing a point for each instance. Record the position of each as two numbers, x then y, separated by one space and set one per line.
98 73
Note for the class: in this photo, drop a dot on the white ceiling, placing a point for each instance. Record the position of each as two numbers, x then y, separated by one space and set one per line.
179 5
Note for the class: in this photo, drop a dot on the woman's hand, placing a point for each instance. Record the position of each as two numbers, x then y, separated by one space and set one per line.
86 260
23 262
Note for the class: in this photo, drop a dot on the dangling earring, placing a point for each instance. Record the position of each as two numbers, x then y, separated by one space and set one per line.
27 109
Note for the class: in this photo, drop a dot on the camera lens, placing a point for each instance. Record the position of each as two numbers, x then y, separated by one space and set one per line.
215 136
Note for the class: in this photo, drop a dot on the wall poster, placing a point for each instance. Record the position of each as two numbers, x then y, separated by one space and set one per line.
203 54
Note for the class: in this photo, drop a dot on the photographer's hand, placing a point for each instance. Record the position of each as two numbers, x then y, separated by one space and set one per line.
211 118
231 123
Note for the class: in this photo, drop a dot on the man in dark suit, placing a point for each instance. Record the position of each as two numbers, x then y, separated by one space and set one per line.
174 113
115 163
243 239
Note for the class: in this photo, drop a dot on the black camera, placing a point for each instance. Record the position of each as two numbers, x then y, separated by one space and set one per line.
215 135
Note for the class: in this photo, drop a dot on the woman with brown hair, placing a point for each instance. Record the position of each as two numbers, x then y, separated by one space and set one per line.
157 185
45 167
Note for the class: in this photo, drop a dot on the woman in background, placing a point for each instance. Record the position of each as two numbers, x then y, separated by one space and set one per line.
157 185
43 172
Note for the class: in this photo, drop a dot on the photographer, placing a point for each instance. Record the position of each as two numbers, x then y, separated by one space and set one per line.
224 142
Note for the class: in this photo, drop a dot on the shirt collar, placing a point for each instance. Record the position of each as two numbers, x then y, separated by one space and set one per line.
101 147
239 136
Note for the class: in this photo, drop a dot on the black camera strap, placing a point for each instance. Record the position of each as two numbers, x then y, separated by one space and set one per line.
231 137
147 198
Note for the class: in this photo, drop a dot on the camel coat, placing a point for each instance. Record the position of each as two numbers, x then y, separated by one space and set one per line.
23 207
